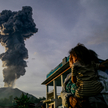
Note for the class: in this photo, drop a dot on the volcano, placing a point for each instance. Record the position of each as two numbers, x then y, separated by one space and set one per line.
5 92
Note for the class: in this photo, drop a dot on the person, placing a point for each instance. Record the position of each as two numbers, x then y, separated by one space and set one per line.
100 100
84 73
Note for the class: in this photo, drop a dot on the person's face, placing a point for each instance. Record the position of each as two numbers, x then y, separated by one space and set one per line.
72 59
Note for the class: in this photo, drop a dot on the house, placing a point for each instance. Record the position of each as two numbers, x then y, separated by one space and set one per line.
55 78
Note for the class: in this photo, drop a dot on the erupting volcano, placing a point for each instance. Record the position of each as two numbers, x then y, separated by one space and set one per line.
15 27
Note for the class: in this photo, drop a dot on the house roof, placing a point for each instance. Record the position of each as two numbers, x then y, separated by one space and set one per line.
56 75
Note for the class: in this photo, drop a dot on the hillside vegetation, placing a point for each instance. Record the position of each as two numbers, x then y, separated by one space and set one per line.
8 95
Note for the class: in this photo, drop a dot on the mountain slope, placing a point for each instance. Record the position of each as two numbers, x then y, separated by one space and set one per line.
15 92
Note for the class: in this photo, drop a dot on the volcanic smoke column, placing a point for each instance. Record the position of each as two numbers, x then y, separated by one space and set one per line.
15 27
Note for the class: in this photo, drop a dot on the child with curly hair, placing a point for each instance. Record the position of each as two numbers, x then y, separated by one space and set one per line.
83 72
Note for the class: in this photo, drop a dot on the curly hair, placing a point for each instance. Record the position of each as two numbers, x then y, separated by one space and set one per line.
81 52
94 56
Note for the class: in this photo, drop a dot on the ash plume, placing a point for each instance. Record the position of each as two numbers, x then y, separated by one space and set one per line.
15 27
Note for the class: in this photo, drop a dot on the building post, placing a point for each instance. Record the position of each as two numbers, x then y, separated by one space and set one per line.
62 80
47 90
55 93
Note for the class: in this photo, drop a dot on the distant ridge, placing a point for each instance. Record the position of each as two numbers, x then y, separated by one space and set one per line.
15 92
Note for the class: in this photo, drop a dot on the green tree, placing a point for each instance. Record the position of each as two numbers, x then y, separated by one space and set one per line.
23 101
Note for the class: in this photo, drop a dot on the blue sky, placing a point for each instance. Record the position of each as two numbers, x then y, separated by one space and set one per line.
61 25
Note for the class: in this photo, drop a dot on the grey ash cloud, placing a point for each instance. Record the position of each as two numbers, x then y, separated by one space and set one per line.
15 28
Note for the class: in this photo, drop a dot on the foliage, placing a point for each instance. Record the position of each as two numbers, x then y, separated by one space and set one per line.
26 102
7 101
23 101
11 101
41 98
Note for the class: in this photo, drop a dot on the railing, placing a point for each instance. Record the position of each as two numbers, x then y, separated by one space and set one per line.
50 95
